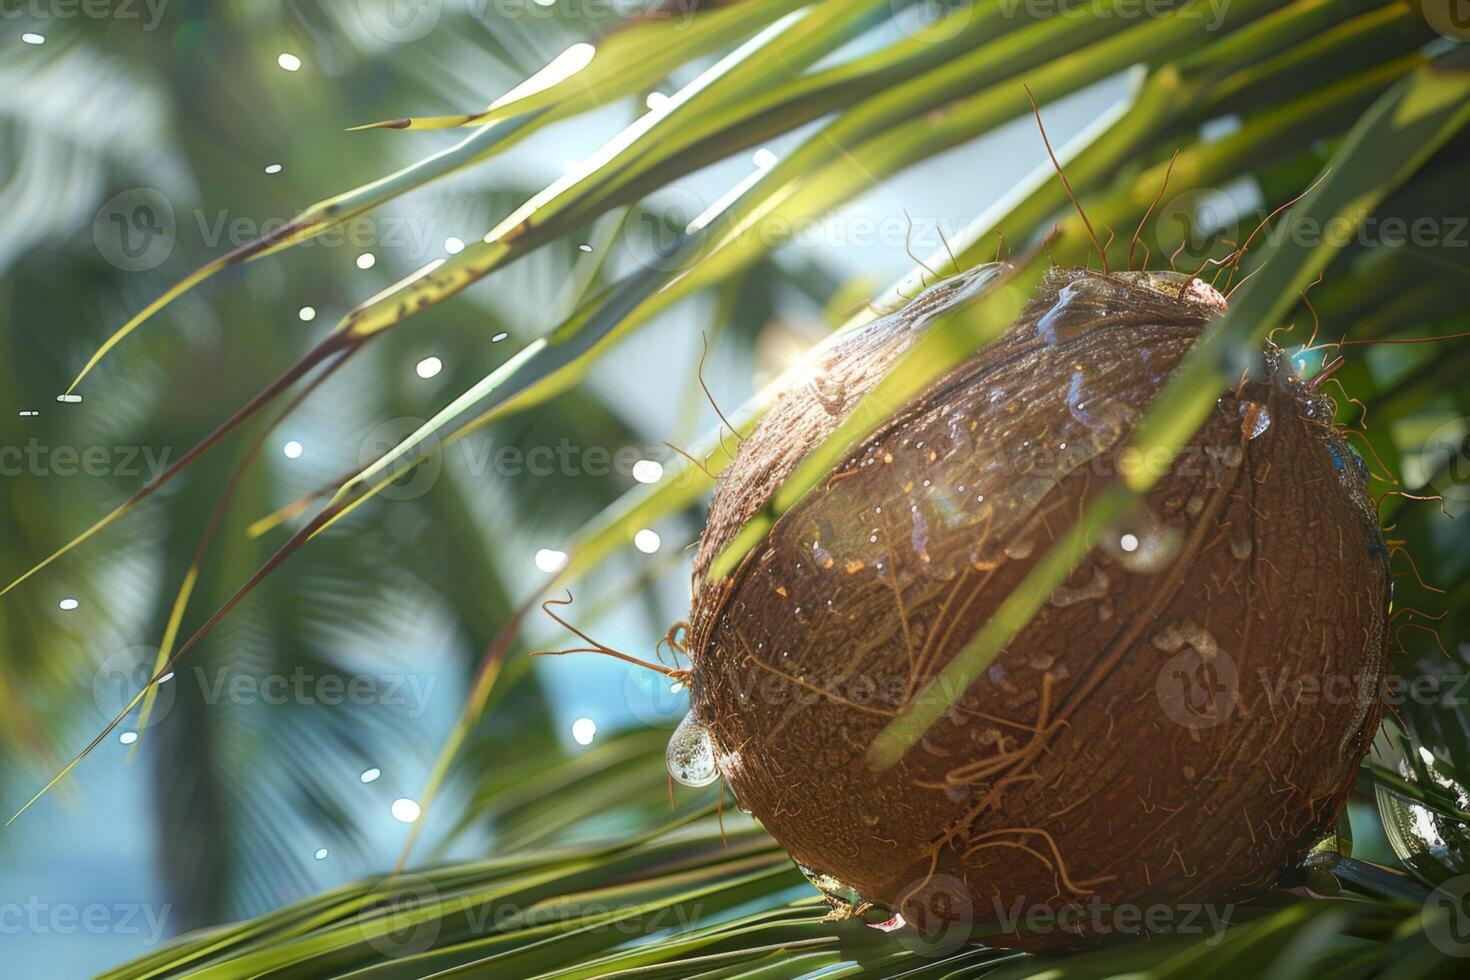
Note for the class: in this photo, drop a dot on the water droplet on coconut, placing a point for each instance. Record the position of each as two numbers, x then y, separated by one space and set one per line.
1094 589
1255 419
1019 550
691 754
1176 636
1075 312
832 887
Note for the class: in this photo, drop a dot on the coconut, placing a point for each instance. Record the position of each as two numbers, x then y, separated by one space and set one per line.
1179 723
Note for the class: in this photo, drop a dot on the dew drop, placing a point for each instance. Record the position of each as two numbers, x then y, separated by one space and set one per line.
691 754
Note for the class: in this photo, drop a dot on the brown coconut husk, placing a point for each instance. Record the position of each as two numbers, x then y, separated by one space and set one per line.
1138 743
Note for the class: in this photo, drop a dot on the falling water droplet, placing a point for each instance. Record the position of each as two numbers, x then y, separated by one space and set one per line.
68 604
691 754
69 399
274 168
584 247
404 810
499 337
29 414
128 738
321 854
371 775
584 730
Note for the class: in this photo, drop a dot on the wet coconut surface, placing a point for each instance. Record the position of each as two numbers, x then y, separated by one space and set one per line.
1137 743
